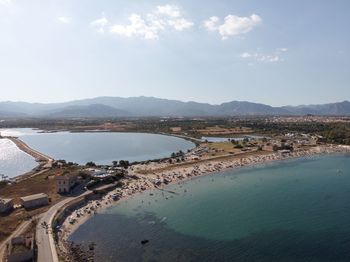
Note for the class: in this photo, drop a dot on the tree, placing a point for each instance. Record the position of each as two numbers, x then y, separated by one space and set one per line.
3 177
124 163
90 164
275 148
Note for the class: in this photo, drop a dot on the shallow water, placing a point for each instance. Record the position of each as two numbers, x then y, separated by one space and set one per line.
294 210
103 148
13 161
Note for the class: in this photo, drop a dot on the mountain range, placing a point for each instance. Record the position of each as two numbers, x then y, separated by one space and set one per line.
114 107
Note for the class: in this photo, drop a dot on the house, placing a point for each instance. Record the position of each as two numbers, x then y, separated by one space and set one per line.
65 183
34 201
21 249
6 205
284 152
176 129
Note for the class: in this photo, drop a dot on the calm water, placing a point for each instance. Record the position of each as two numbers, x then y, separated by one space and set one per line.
296 210
14 162
103 148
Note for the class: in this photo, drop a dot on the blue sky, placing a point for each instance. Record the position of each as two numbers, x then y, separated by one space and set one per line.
269 51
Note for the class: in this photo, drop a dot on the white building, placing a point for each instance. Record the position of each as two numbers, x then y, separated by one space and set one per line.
34 201
65 183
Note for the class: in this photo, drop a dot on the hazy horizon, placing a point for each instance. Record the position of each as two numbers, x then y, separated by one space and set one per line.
270 52
185 101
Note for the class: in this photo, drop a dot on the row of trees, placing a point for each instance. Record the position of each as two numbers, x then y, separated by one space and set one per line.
122 163
178 154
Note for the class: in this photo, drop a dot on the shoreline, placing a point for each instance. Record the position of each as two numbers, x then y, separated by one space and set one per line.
21 147
39 157
43 161
176 175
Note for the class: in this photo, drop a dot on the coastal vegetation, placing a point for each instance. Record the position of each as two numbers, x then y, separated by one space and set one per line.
333 129
339 134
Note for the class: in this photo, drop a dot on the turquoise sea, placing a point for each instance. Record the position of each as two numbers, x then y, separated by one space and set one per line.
293 210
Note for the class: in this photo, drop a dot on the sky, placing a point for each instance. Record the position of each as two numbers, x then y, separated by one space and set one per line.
268 51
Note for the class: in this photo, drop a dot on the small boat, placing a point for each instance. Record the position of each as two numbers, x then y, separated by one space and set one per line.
145 241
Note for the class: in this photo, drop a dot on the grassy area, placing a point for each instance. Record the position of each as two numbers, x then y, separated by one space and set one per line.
219 131
223 147
43 183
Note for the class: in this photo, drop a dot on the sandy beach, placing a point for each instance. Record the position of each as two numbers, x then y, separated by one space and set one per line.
160 179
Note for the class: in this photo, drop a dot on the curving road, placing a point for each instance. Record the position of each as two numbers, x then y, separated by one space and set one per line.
44 237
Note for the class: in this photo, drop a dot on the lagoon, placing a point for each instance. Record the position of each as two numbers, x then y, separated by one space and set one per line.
293 210
104 147
13 161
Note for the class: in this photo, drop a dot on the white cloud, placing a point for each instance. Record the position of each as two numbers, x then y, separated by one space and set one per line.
233 25
180 24
100 24
283 49
212 23
169 10
246 55
162 18
137 27
64 19
156 21
264 57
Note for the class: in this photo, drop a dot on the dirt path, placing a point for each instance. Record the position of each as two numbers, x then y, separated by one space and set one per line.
20 230
40 157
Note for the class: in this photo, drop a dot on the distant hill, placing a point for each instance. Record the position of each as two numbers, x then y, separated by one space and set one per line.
110 107
341 108
6 114
92 111
248 108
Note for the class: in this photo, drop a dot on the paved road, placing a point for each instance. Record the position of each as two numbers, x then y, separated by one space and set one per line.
44 237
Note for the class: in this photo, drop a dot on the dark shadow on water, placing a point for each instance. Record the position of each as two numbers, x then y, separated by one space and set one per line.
118 238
